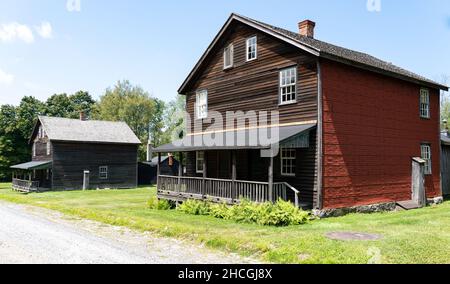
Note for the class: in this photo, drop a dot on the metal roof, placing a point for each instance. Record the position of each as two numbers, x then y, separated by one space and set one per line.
90 131
320 49
236 140
37 165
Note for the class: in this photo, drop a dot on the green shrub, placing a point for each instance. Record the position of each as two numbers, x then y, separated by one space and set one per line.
282 213
159 204
195 207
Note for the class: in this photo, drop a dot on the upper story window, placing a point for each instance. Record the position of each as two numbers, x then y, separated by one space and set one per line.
201 104
34 149
426 155
49 148
288 162
424 103
228 57
288 85
103 172
252 48
200 158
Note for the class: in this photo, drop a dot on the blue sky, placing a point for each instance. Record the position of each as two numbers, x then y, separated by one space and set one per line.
46 49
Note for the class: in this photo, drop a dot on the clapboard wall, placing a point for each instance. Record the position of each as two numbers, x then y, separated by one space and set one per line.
445 166
70 160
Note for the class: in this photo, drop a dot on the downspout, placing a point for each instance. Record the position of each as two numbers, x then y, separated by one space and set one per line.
319 201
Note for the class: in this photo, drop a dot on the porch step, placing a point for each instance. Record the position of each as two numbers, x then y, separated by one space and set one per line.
408 205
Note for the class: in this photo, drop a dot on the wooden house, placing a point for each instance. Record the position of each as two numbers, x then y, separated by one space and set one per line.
71 154
350 125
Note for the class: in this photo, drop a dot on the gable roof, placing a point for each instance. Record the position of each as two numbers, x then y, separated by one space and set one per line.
74 130
320 49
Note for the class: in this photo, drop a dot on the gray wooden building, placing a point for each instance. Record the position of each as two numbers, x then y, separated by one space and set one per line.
445 163
71 154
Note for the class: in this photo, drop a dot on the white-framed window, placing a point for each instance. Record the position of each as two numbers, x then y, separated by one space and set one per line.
288 85
228 57
200 158
424 103
202 104
426 155
34 149
103 172
288 161
49 148
252 48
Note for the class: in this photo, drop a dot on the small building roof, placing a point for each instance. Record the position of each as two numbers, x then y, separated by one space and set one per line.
251 139
89 131
37 165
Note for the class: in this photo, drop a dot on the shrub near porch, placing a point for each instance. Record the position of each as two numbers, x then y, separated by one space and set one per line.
419 236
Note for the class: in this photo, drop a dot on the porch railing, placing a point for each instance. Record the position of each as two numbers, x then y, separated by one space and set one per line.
224 190
25 185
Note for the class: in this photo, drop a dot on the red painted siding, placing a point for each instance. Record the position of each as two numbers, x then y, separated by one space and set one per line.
372 129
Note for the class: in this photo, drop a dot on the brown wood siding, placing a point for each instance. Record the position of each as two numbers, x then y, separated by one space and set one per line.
70 160
41 150
254 85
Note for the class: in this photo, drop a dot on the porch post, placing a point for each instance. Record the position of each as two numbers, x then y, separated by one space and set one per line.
158 172
271 179
233 175
180 171
205 173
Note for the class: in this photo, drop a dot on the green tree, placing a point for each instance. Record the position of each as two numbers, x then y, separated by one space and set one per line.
174 120
133 105
59 105
16 124
445 101
82 102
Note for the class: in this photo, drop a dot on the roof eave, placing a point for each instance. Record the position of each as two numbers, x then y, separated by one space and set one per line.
383 72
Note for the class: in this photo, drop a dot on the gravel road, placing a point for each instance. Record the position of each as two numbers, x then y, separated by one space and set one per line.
35 235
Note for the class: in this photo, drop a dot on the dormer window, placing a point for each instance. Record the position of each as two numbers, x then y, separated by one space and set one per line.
252 48
228 57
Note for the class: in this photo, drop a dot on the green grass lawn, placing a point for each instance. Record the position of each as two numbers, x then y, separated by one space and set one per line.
419 236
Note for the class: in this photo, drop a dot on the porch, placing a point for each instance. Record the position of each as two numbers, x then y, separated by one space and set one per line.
32 177
228 174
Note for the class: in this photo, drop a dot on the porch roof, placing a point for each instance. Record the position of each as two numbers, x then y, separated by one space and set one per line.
41 165
196 142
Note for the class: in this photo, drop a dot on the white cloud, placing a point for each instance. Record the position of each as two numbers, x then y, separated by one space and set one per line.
6 78
15 31
45 30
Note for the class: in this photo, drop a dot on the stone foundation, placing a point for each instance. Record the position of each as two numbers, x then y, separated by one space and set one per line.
435 201
383 207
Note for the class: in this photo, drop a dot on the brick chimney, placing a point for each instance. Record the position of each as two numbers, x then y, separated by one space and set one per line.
83 116
306 28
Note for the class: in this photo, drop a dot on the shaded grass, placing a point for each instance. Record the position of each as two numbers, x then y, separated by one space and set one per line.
419 236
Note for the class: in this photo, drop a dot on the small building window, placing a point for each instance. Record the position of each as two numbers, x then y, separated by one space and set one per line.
426 155
49 148
103 172
288 162
252 48
288 86
199 162
34 149
424 103
202 104
228 57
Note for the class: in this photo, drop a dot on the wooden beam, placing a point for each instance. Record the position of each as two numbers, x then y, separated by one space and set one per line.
158 171
180 171
271 178
233 175
205 173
